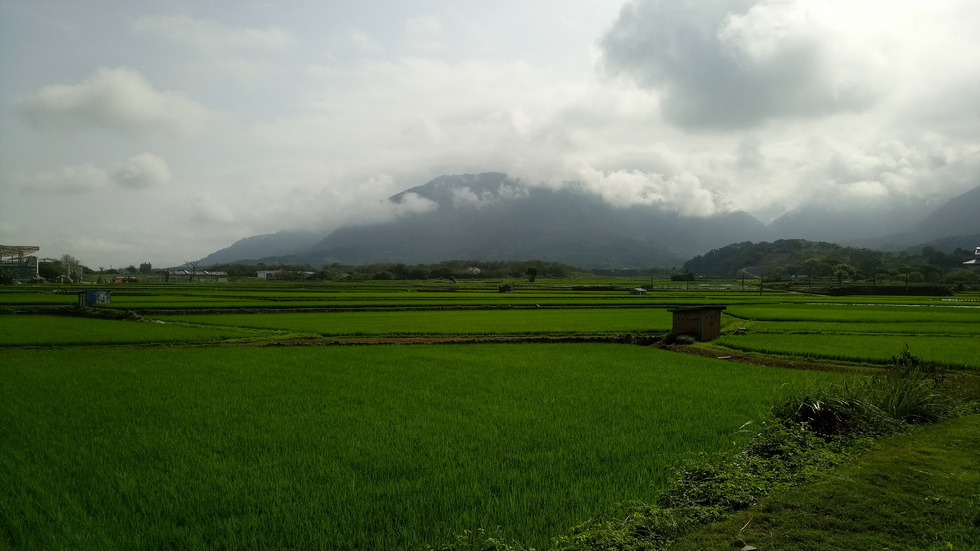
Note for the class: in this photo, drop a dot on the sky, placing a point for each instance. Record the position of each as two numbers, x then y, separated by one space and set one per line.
136 132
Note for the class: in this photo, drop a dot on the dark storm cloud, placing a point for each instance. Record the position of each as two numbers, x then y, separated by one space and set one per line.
730 64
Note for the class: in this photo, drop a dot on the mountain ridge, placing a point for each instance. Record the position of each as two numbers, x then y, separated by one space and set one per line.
490 216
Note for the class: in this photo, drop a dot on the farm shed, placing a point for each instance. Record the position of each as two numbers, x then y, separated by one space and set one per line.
701 322
638 291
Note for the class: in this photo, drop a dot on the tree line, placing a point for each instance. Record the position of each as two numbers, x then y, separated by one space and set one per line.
448 270
796 258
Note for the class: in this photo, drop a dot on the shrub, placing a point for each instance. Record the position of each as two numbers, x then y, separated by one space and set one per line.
479 540
910 392
839 410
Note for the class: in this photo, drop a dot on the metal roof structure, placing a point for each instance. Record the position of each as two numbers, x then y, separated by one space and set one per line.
16 253
975 261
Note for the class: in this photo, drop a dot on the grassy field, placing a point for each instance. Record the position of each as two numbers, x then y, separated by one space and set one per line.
135 434
449 322
349 448
941 332
955 352
20 330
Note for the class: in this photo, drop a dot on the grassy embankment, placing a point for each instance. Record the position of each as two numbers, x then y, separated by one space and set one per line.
914 491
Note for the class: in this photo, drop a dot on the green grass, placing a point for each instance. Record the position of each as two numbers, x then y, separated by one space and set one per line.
349 447
915 491
958 352
451 322
24 330
862 328
858 313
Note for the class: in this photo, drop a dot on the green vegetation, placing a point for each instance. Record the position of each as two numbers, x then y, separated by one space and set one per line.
958 352
449 322
941 333
915 491
805 436
161 420
786 259
61 330
361 447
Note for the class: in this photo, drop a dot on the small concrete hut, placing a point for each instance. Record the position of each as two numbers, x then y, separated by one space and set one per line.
701 322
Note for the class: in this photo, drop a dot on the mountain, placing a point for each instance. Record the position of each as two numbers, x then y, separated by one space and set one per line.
850 223
959 216
261 246
492 217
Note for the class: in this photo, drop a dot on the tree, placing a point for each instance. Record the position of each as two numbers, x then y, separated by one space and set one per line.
146 268
191 266
532 274
842 271
69 265
683 276
962 276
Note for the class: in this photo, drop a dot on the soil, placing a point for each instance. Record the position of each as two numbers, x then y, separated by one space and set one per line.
769 361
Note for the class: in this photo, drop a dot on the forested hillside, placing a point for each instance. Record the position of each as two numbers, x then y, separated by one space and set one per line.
787 258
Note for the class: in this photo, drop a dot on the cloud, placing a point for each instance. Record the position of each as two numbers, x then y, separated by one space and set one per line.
206 209
220 51
738 64
143 171
477 199
119 100
425 35
83 178
683 193
138 172
213 37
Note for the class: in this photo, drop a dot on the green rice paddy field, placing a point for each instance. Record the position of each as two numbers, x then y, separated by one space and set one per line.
377 447
182 431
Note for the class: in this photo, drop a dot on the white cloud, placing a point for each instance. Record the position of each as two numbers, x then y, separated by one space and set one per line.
425 35
221 52
206 209
468 198
119 100
83 178
138 172
212 37
683 193
143 171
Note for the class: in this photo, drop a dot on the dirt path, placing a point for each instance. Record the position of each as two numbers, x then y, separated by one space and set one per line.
732 356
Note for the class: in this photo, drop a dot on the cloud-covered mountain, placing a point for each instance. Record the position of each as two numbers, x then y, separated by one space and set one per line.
260 246
492 217
960 216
